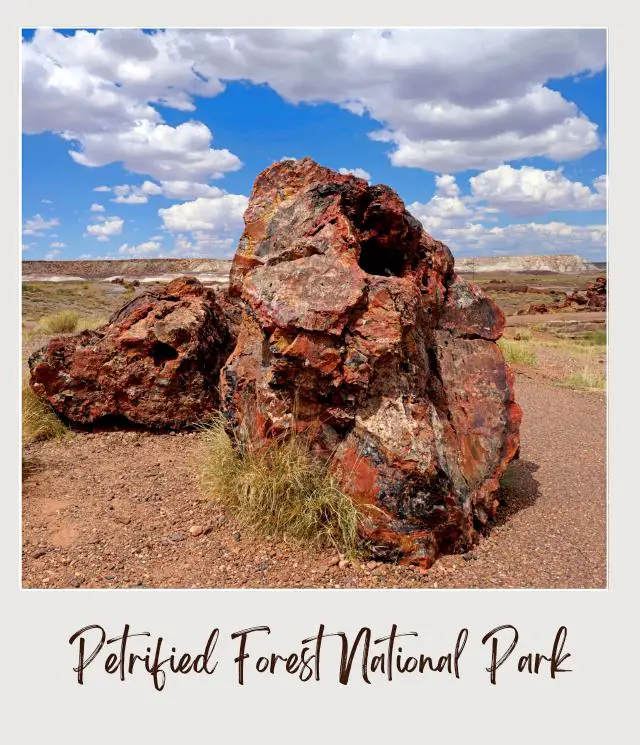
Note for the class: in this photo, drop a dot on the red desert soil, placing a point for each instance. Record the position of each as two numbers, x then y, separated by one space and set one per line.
124 509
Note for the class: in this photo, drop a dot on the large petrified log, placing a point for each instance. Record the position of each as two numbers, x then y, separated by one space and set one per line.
357 333
155 363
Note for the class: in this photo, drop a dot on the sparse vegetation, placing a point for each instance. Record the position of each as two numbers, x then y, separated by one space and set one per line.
522 334
90 324
39 421
589 378
518 352
594 338
63 322
280 490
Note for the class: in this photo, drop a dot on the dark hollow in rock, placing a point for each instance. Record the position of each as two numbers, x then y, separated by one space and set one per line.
357 333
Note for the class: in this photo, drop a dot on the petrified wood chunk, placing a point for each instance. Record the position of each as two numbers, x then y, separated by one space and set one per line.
357 332
155 363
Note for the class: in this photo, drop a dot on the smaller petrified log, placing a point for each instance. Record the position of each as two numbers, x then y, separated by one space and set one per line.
155 363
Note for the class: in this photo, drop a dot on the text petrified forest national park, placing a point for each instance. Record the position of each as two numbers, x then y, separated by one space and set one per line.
364 655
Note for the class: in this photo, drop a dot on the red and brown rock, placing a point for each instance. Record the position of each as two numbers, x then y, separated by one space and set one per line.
357 333
156 362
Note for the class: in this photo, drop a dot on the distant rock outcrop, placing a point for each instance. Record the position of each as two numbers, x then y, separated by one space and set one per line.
594 298
560 263
358 335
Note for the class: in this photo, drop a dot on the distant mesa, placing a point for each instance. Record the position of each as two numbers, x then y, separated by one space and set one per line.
558 263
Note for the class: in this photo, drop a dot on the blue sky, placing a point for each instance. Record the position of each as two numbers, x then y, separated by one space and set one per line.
146 144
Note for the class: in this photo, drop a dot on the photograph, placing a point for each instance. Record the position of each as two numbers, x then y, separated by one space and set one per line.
314 308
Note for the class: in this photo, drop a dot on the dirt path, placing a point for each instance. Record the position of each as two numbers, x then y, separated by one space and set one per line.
124 509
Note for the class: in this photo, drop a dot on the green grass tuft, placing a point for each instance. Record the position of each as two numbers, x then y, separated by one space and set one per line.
518 352
280 490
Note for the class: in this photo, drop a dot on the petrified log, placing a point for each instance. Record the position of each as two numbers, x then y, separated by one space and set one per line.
155 363
357 333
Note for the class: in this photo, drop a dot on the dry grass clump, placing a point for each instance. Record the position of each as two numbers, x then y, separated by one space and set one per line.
39 421
589 378
91 324
518 352
279 490
64 322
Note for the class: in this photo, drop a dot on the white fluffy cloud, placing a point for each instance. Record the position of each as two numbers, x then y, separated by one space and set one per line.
445 209
139 194
529 191
359 172
188 190
146 249
37 224
57 244
527 238
221 214
96 208
447 100
105 229
52 255
158 150
460 221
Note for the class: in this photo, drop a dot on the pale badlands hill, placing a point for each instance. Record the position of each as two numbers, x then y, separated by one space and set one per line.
559 263
132 268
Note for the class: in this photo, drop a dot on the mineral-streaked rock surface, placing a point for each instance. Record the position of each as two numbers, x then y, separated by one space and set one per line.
156 363
358 334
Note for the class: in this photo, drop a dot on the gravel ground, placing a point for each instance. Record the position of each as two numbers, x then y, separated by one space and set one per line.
124 509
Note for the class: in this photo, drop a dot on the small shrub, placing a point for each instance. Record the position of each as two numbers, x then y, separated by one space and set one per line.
64 322
39 420
589 378
279 490
518 352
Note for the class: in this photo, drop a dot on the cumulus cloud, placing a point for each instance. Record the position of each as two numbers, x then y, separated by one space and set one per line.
529 191
206 226
105 229
96 208
188 190
461 221
37 224
527 238
220 214
446 100
158 150
47 201
445 209
179 190
359 172
57 244
102 188
52 255
142 250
